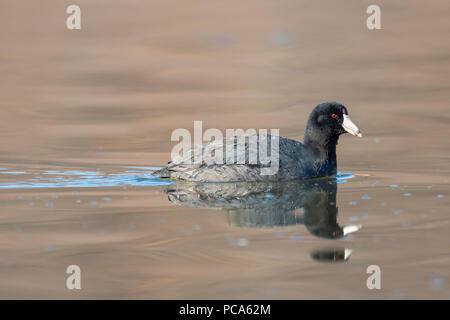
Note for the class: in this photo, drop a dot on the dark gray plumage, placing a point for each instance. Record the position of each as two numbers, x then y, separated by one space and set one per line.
315 157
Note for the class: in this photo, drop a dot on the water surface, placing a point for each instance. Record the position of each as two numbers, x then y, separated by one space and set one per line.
86 115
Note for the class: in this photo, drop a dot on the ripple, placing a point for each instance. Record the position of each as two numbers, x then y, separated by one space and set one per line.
12 172
342 177
140 176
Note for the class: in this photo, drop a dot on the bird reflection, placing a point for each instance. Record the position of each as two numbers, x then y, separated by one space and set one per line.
263 204
331 254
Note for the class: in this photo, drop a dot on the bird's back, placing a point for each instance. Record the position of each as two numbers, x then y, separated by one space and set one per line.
204 163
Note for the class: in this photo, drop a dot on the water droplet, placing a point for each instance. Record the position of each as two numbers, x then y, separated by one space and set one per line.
394 186
93 203
281 38
397 295
242 242
55 197
437 282
407 194
352 203
49 204
296 237
440 196
107 199
366 197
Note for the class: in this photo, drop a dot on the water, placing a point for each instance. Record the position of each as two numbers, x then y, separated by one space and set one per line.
127 219
139 176
86 115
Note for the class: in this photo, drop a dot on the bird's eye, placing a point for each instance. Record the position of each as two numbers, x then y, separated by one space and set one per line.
334 116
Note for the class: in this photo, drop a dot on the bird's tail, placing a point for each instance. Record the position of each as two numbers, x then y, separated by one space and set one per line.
163 173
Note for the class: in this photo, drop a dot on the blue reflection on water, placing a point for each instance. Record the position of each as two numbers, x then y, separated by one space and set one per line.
13 172
140 176
342 177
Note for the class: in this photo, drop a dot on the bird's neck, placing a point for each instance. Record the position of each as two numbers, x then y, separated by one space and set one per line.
323 146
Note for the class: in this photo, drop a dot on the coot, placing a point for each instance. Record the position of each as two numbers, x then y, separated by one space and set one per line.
315 157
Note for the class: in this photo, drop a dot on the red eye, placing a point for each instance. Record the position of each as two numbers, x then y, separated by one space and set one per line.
334 116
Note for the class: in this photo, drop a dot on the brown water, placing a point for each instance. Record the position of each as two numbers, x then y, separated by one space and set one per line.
85 113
